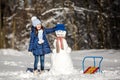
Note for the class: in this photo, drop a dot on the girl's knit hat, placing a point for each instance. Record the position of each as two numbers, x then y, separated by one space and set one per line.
35 21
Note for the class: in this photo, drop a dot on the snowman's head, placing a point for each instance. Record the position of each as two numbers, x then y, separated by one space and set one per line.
60 30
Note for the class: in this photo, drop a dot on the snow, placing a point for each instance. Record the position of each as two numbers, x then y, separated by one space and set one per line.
16 65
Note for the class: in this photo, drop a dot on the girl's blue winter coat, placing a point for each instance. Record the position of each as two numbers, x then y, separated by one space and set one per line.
35 47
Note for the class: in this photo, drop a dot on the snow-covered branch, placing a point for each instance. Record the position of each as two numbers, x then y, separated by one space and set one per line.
88 10
54 9
11 17
80 9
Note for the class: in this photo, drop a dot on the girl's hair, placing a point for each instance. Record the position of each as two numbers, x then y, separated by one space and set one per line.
36 30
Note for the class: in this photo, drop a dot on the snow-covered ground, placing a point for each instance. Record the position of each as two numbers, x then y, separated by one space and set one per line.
16 65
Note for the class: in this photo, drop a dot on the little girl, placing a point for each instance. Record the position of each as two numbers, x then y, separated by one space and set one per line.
39 45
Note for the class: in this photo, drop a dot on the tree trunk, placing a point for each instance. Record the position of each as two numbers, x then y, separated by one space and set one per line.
13 33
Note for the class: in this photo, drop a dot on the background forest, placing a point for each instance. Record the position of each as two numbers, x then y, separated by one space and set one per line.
90 24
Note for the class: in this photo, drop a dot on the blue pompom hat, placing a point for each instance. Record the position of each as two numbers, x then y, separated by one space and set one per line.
35 21
60 27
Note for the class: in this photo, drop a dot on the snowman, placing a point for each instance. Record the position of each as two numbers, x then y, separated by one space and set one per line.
60 58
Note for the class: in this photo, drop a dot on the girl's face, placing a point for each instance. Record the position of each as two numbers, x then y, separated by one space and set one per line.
38 26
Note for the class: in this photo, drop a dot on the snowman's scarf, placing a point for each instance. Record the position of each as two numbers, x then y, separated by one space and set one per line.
59 44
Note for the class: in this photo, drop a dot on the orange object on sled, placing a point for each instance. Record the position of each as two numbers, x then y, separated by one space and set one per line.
91 70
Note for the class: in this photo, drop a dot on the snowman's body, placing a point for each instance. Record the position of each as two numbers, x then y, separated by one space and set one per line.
61 60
